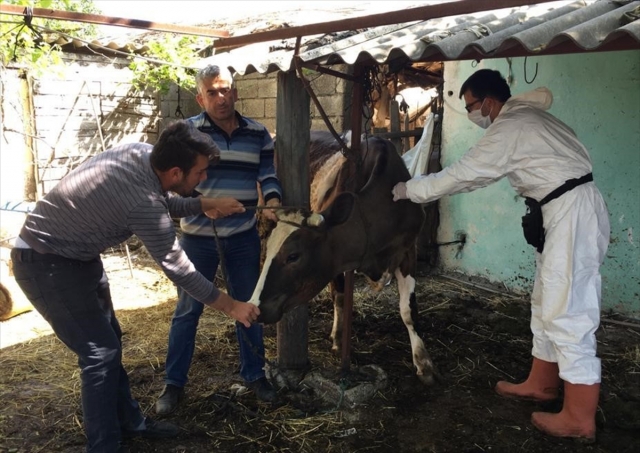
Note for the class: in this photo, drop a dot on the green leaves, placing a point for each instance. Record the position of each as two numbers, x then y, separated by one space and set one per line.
169 59
172 57
26 45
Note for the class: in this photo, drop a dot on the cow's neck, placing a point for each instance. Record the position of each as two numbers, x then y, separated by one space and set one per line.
350 241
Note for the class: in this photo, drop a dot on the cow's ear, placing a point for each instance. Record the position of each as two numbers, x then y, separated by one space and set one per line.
340 209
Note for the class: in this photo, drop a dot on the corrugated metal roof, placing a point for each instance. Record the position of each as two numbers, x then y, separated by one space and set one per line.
134 40
122 44
548 28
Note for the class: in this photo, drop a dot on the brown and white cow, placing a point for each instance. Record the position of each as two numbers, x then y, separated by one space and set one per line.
362 230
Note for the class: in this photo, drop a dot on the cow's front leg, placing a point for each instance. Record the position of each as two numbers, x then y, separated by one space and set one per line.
409 312
337 294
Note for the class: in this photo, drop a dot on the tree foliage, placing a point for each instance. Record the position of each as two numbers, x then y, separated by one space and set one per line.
30 42
171 59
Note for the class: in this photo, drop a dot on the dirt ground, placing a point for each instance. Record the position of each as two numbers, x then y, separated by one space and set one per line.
475 336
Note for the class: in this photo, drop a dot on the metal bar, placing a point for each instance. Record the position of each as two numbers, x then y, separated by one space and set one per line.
72 16
316 101
347 308
453 8
258 208
318 68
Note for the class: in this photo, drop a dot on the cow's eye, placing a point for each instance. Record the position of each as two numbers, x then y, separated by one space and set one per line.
292 258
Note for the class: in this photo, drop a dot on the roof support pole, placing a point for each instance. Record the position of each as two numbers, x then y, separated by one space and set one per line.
292 159
356 130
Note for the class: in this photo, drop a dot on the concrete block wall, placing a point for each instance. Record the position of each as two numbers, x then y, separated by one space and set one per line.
332 93
178 103
257 98
257 94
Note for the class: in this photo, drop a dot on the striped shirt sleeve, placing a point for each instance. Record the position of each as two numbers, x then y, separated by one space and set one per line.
151 222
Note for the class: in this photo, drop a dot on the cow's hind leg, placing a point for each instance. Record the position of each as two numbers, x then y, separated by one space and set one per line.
337 294
409 313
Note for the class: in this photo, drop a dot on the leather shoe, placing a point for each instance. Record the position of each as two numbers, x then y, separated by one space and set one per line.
263 390
153 430
169 399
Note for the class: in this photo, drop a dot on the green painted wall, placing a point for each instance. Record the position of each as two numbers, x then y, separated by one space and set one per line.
598 95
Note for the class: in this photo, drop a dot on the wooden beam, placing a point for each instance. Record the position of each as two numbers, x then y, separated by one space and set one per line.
98 19
292 162
453 8
417 132
394 124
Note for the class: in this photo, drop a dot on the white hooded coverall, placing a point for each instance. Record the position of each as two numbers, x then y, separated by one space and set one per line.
538 153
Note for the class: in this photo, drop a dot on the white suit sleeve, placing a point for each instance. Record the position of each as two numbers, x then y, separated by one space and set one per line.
483 164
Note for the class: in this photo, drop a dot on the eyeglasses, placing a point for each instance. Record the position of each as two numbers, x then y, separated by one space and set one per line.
468 106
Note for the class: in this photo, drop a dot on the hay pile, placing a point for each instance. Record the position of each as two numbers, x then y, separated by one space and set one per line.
40 385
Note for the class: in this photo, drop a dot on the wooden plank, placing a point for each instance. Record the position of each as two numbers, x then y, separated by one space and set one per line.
61 106
65 87
115 21
394 119
104 88
417 132
406 141
292 161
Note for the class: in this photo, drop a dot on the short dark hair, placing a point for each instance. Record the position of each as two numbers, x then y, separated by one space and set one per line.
179 145
486 82
213 71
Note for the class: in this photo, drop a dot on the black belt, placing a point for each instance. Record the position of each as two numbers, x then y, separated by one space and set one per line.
566 187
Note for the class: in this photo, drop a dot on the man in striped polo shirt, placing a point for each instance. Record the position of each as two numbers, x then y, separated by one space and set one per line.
246 162
56 261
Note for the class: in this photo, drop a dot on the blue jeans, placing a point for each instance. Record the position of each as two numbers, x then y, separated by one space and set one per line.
241 254
74 298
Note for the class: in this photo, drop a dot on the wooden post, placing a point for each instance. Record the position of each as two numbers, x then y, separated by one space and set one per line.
394 120
31 176
292 161
406 141
347 310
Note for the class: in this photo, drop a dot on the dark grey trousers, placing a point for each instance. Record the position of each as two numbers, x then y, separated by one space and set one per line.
74 297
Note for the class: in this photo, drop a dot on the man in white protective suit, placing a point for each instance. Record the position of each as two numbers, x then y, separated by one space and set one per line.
544 162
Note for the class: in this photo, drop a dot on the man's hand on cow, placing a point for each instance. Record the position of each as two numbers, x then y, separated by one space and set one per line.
243 312
215 208
271 213
399 191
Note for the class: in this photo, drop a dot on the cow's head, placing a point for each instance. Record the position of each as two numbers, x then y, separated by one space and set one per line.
300 260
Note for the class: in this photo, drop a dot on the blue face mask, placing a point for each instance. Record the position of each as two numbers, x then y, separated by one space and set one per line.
476 117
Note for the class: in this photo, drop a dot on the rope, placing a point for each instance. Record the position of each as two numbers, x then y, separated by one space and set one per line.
223 268
28 16
178 113
525 72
